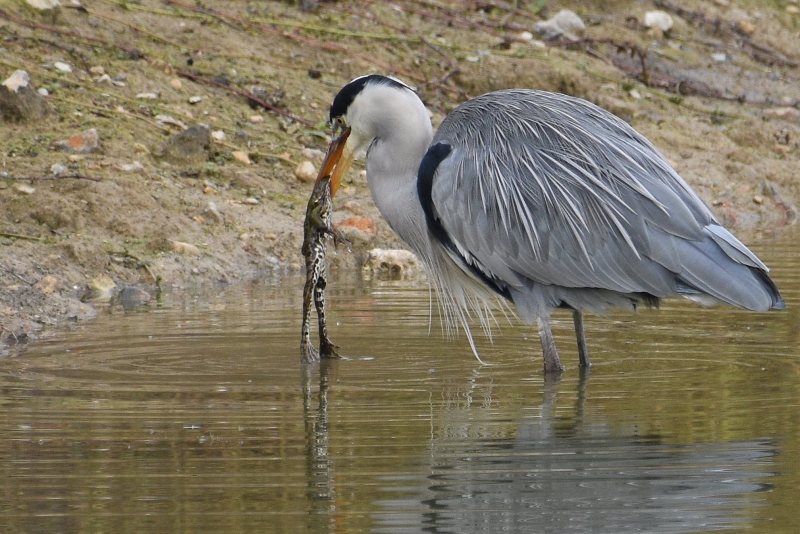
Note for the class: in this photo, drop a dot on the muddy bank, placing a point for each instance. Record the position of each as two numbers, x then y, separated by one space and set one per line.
85 215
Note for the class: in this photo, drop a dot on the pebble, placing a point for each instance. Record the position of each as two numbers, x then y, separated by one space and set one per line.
98 70
787 113
185 248
166 119
364 225
241 157
719 57
794 10
132 167
60 66
313 154
102 287
20 101
133 297
87 141
42 91
758 199
255 119
44 5
658 19
306 171
218 135
525 37
745 27
176 83
25 189
212 214
147 96
105 78
195 99
253 201
391 264
565 23
58 168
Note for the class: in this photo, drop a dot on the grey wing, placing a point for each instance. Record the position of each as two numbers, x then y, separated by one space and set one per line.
541 188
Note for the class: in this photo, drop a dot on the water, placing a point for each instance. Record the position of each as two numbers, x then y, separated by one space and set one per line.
195 415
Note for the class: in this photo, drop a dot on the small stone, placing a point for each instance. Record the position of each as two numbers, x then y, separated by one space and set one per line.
253 201
139 148
787 113
212 214
719 57
745 27
87 141
97 70
102 287
166 119
25 189
60 66
44 5
658 19
176 83
218 135
133 297
363 224
306 172
147 96
525 37
58 168
19 100
132 167
255 119
42 91
313 154
723 3
564 24
46 285
195 99
794 10
758 199
75 158
241 157
191 146
185 248
391 264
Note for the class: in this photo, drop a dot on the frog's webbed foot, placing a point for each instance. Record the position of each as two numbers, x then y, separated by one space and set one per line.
308 353
327 349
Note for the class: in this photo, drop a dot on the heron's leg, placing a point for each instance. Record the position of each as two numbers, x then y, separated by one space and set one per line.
580 333
552 363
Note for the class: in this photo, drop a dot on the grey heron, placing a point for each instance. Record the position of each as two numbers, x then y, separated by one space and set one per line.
538 199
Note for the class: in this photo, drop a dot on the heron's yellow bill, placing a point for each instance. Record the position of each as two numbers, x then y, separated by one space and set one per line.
337 161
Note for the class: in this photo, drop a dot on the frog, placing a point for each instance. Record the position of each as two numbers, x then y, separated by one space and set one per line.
316 228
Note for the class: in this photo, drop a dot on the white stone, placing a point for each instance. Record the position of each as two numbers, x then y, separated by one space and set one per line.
658 19
44 4
306 171
62 67
565 23
195 99
20 78
218 135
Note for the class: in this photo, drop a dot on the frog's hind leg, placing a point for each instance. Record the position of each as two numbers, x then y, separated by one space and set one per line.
327 348
308 353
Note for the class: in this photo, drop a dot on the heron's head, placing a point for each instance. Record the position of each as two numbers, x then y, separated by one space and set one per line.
362 111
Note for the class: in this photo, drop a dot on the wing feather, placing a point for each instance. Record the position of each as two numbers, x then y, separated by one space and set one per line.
542 188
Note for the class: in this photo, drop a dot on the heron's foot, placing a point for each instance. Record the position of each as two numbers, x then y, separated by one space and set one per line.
327 349
308 353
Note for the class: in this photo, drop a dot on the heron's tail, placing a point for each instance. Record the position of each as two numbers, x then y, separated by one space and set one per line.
723 268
